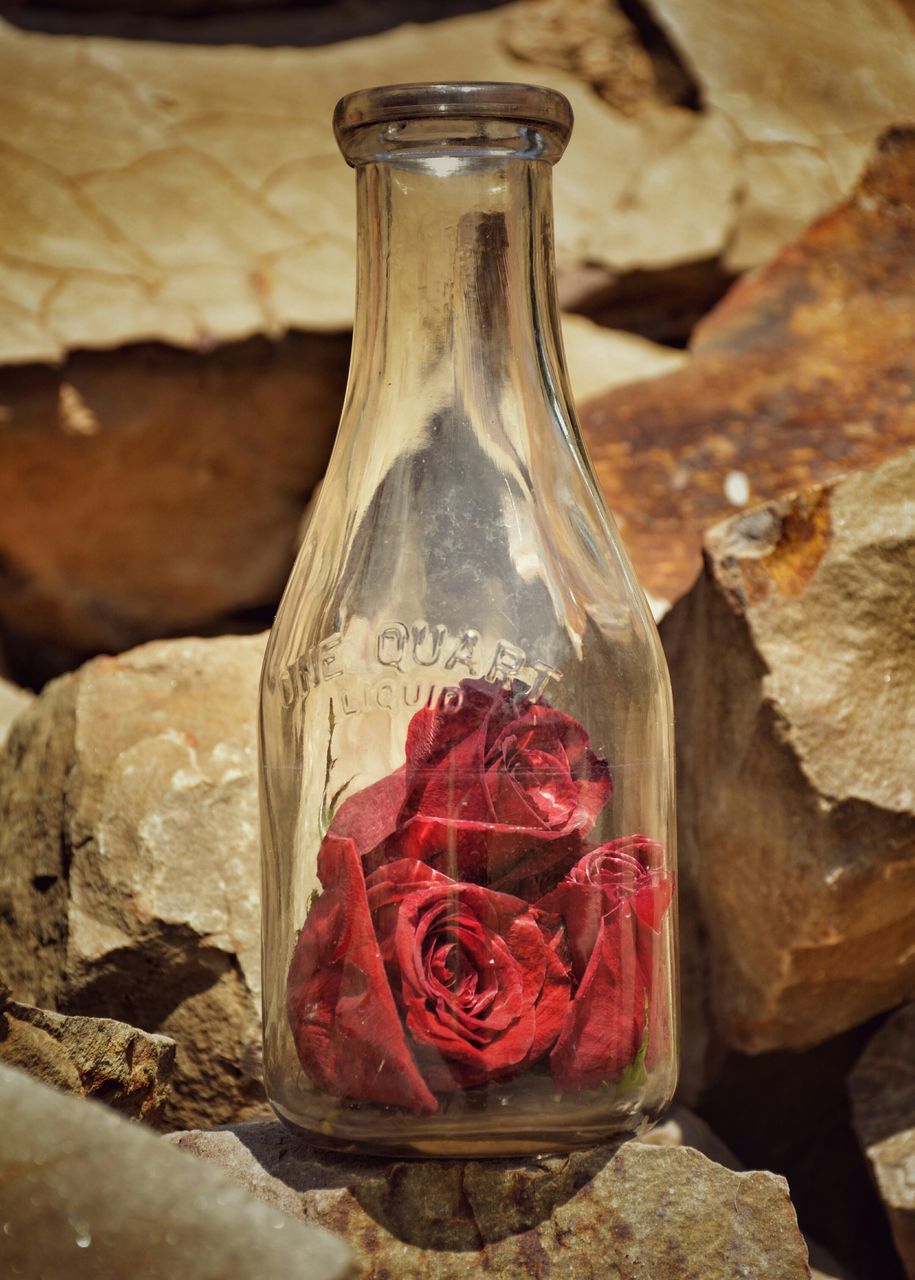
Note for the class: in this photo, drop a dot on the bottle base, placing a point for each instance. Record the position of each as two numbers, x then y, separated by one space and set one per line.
390 1138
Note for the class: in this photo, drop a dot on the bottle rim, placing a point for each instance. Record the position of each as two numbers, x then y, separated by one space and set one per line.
466 100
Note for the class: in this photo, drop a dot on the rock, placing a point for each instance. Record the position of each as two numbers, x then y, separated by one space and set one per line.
13 701
181 213
125 1068
882 1088
632 1212
772 70
600 358
630 66
681 1127
793 672
194 466
805 371
789 1112
130 864
88 1196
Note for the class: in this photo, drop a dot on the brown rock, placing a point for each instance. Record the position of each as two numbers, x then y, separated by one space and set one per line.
129 867
793 670
88 1196
617 1214
99 1058
882 1088
164 488
803 372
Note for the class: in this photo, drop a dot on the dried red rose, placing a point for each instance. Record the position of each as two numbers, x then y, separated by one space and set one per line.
345 1025
498 789
612 904
479 979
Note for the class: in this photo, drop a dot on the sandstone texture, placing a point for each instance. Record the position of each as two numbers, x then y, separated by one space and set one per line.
633 1213
130 862
98 1058
630 67
793 670
882 1088
13 701
803 372
87 1196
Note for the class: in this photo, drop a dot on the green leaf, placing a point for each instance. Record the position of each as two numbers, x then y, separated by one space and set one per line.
636 1074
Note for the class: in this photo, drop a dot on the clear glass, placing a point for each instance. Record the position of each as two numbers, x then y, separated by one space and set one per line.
466 734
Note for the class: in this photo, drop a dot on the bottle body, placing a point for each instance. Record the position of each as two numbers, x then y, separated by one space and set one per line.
466 756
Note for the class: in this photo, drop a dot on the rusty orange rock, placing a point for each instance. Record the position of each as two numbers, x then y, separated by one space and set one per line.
804 371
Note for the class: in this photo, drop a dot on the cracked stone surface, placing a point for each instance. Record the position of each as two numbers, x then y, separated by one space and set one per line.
126 1069
803 372
882 1089
793 669
637 1212
109 233
87 1195
129 860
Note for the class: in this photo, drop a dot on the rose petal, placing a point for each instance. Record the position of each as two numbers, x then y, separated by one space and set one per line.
369 816
604 1025
345 1025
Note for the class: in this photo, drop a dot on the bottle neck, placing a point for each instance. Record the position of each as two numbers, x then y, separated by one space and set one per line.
456 310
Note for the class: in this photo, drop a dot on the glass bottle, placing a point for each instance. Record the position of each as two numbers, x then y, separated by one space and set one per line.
466 744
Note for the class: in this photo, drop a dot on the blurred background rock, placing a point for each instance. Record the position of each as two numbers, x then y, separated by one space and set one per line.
736 251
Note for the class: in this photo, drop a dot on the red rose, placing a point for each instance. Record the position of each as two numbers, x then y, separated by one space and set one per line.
612 904
499 788
345 1025
410 981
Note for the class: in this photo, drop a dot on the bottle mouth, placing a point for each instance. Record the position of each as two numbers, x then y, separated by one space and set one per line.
378 123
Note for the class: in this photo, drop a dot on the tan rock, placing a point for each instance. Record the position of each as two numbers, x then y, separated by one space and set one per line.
600 358
882 1088
803 372
125 1068
771 71
793 672
612 1214
13 701
598 42
178 210
130 865
88 1196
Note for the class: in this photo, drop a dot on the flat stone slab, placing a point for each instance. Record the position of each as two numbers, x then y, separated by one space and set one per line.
636 1212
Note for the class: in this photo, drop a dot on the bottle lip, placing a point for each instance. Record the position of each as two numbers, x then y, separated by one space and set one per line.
522 104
